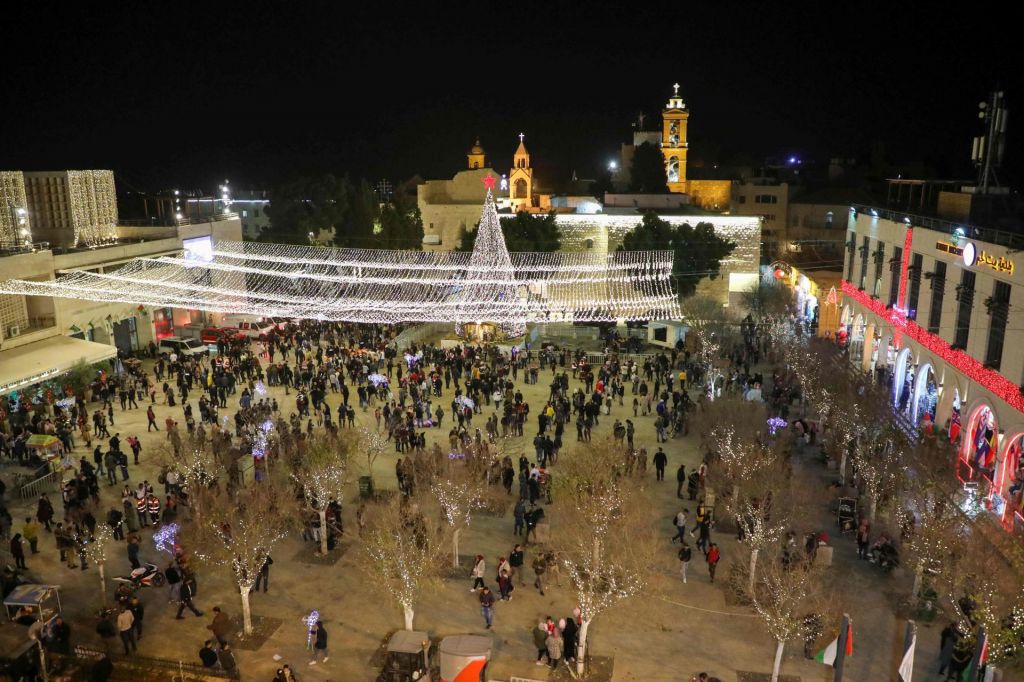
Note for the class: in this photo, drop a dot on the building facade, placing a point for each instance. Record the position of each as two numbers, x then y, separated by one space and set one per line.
60 331
768 200
72 207
520 180
938 313
15 224
674 119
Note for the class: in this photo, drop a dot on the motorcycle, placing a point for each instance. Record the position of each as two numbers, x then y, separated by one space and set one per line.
147 575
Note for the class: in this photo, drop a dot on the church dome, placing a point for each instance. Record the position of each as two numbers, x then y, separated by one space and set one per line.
476 148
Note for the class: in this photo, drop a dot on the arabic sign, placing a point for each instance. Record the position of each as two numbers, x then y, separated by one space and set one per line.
972 257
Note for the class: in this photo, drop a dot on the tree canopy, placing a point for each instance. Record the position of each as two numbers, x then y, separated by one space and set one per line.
647 173
346 208
698 251
523 232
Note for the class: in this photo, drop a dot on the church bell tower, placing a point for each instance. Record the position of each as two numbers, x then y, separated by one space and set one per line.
673 141
520 179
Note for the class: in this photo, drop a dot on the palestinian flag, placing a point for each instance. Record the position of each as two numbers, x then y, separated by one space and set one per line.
979 659
829 654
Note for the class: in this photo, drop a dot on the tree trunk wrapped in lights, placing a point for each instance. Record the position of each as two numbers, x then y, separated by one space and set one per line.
605 540
323 474
96 552
241 534
458 496
402 554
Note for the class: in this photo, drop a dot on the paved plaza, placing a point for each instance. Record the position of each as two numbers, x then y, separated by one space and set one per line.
668 633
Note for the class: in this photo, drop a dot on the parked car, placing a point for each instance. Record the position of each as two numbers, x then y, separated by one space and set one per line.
255 330
182 346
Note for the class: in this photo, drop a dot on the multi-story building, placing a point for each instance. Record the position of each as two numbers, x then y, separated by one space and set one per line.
768 199
72 207
250 205
936 309
15 226
42 337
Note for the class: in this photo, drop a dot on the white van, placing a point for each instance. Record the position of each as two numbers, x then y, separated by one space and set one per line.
183 347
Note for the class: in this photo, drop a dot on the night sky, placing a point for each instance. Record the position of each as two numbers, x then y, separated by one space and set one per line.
185 96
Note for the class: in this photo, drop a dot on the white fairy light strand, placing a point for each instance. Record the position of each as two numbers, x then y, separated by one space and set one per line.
377 286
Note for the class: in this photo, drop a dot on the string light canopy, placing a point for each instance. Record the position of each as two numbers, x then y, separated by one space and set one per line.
389 286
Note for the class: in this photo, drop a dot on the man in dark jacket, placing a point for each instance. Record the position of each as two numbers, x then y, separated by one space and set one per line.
660 462
185 599
207 654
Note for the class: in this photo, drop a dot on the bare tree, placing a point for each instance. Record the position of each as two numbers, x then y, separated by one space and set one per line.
96 551
604 540
401 555
782 596
714 329
240 533
323 474
458 495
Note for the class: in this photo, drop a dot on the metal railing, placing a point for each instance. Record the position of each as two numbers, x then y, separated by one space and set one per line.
162 221
1011 240
145 664
45 483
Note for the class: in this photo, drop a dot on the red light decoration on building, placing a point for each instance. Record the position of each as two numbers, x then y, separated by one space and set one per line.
904 267
991 380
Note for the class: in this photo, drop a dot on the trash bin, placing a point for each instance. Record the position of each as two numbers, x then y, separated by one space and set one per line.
464 658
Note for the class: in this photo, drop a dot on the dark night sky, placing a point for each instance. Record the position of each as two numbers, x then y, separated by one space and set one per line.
187 95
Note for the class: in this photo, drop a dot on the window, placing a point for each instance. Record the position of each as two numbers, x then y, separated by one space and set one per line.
965 298
520 189
998 311
255 213
938 293
894 275
914 285
661 334
864 249
245 214
743 198
879 259
766 199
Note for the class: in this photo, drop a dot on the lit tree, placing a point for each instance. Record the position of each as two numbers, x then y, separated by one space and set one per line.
96 552
458 495
199 473
782 596
323 474
241 533
879 464
400 554
373 445
605 542
712 327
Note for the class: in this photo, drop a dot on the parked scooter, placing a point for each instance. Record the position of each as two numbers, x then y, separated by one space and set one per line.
147 575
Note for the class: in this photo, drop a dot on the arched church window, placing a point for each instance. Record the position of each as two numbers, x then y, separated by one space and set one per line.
673 169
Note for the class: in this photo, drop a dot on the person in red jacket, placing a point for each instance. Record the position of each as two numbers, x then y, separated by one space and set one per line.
713 557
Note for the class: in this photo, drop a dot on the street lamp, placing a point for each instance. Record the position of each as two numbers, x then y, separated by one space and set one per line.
613 166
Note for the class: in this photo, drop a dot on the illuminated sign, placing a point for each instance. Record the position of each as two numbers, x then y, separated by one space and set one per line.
972 257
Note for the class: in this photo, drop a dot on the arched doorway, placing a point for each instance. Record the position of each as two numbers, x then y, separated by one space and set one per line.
902 375
857 339
926 395
1008 496
981 443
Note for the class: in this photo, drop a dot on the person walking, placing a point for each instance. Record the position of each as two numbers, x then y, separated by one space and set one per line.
18 551
680 523
221 625
539 567
133 551
487 606
554 644
479 569
515 562
319 633
714 556
685 554
126 628
185 592
505 586
519 513
680 480
540 637
44 512
660 462
151 416
138 611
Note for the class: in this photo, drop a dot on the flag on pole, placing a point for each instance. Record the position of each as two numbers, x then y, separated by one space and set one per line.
979 659
828 654
907 665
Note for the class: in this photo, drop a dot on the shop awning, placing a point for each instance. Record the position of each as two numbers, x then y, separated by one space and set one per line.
47 359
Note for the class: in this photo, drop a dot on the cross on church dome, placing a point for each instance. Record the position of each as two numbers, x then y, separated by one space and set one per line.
675 88
521 136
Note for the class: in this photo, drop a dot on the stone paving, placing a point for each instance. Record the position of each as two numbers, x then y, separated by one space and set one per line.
667 634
